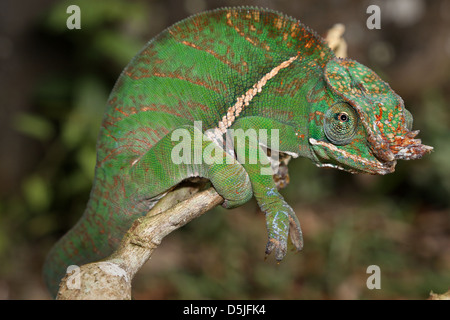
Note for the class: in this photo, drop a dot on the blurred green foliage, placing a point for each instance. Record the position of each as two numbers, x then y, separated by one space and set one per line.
400 222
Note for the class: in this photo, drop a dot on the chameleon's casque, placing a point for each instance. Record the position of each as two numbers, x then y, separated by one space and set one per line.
232 68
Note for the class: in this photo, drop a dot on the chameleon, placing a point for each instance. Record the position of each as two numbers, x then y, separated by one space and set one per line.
229 69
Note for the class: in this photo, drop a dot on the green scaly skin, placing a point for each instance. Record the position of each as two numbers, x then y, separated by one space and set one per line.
232 68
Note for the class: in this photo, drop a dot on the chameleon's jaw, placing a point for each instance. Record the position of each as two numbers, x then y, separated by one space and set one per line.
384 154
354 162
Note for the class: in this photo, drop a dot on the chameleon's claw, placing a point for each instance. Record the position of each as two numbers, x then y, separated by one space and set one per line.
296 233
279 246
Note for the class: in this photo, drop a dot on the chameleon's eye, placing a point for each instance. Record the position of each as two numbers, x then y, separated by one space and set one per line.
343 117
340 123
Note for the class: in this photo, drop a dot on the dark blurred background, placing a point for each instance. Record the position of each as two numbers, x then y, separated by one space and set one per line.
54 84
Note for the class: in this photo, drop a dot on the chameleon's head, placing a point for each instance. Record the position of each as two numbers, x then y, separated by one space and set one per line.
367 128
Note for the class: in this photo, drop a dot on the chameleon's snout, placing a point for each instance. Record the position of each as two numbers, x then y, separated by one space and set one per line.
391 136
407 148
400 147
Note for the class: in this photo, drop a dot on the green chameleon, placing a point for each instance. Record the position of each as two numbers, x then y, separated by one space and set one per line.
232 68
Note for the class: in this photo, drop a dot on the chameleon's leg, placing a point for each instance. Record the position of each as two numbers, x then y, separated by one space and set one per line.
280 217
167 164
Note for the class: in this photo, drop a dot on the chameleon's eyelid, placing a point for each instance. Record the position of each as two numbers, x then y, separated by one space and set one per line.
338 131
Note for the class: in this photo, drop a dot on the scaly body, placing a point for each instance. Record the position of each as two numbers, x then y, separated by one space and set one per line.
232 68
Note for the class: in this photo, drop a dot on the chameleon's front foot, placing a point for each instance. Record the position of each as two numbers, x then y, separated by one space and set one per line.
280 225
277 245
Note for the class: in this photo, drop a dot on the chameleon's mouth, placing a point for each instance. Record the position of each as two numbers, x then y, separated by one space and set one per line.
357 164
384 154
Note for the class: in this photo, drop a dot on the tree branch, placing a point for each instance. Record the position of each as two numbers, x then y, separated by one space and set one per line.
111 278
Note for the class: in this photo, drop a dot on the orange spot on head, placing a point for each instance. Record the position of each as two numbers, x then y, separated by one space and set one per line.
380 115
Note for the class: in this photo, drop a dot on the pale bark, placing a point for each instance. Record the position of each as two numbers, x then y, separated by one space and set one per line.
111 278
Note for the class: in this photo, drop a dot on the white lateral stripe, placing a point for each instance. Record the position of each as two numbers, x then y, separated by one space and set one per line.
244 100
347 154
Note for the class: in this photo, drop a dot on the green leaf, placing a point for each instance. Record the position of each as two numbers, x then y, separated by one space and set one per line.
118 47
37 193
33 126
84 120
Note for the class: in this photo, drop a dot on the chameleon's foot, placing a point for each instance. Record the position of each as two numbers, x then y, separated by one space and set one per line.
277 245
278 234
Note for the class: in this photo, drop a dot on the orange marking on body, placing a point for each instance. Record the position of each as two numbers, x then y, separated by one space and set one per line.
214 54
122 112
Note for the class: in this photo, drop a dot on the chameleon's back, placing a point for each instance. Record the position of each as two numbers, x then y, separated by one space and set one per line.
193 71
